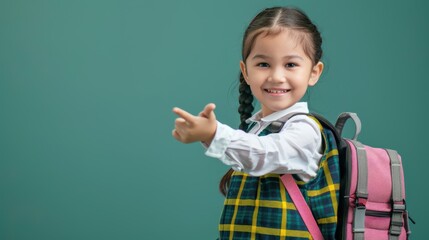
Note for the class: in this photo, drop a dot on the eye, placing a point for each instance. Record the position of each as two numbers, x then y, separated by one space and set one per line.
263 65
290 65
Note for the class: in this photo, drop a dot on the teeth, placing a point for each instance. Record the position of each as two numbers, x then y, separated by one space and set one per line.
276 91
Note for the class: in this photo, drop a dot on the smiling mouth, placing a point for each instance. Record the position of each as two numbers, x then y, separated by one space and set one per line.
277 91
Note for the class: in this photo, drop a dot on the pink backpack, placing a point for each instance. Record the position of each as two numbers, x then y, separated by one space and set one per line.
372 190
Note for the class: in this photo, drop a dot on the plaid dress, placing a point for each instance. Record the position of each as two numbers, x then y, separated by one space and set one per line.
260 207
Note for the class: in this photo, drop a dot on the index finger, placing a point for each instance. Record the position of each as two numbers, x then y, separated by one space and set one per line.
184 114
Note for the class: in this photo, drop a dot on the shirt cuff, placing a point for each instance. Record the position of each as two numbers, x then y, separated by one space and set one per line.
220 142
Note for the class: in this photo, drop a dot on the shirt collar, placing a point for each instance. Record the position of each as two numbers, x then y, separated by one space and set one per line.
299 107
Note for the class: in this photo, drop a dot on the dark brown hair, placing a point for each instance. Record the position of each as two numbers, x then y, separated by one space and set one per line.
272 21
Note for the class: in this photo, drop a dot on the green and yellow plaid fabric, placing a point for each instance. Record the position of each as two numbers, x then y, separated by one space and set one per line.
260 207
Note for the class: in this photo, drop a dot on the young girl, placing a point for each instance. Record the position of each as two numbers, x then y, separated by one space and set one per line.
281 55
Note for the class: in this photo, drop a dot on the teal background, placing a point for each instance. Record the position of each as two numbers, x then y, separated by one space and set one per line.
87 88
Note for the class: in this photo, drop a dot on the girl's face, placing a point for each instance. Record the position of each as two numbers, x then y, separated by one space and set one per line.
278 71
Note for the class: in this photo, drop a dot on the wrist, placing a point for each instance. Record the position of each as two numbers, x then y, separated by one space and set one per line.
210 134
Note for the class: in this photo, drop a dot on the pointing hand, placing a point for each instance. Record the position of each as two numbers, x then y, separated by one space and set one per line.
190 128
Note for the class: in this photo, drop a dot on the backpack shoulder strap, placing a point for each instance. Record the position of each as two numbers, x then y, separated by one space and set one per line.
328 125
277 126
301 206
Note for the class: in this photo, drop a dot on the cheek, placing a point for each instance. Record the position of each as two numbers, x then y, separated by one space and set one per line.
254 71
254 84
255 77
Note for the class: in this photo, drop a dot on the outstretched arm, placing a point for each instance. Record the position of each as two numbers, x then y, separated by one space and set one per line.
190 128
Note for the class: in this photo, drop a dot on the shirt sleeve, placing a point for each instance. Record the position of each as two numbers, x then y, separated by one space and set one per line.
296 149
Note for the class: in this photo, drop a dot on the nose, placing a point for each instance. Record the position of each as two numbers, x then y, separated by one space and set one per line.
277 75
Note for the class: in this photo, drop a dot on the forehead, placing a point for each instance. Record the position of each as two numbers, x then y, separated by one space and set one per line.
280 41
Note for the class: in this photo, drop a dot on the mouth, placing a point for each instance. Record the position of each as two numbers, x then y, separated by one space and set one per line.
276 91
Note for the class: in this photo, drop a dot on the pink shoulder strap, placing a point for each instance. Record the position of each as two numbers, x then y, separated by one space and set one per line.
301 206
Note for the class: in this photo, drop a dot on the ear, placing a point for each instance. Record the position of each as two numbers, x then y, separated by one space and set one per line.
243 70
315 73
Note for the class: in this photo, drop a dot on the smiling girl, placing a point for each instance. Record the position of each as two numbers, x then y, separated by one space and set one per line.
281 55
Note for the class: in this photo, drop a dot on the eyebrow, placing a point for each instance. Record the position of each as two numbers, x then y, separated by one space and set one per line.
268 57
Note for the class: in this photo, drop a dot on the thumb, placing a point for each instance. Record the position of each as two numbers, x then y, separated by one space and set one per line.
208 111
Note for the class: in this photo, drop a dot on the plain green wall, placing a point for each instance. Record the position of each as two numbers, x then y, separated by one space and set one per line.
87 88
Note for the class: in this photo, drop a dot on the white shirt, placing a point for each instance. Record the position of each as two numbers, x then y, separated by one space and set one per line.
296 149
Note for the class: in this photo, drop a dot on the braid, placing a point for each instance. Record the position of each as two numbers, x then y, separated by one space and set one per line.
245 109
246 103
